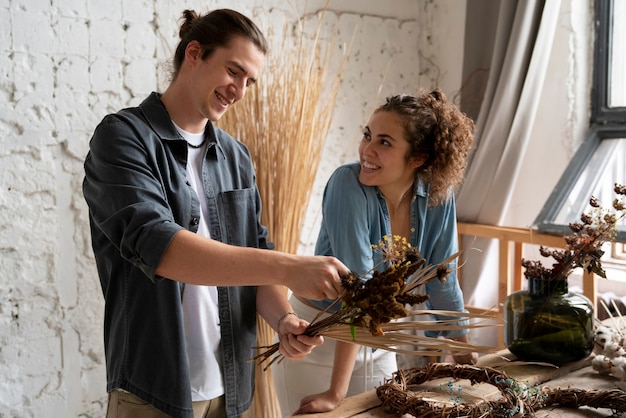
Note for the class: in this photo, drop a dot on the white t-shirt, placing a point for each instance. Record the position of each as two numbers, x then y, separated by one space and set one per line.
200 308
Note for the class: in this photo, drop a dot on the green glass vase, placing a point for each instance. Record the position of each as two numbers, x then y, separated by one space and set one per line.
547 323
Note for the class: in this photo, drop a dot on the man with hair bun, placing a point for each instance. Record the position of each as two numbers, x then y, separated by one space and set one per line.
182 256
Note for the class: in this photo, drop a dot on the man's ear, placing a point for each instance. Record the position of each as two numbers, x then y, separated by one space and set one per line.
193 52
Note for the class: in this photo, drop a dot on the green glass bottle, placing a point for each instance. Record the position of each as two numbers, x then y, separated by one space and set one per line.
547 323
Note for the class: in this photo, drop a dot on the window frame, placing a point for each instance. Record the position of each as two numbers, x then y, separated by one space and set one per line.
605 123
600 111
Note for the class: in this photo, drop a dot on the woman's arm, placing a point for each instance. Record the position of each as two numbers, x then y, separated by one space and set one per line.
468 358
345 355
345 234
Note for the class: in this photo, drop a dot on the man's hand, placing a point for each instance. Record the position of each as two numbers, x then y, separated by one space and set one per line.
317 277
294 345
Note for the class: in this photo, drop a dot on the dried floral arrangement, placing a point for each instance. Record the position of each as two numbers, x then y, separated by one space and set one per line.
584 245
368 307
517 399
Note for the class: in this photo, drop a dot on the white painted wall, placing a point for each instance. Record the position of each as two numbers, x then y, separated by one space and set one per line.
64 65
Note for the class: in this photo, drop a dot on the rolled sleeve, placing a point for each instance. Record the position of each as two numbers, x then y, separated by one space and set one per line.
125 195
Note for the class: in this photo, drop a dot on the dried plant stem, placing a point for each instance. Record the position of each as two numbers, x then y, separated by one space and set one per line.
376 299
337 326
284 120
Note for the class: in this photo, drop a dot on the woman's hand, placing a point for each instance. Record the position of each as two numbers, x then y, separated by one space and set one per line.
343 364
468 358
321 402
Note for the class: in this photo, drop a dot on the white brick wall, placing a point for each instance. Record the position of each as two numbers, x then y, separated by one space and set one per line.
64 64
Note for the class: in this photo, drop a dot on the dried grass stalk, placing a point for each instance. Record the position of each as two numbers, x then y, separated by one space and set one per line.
284 120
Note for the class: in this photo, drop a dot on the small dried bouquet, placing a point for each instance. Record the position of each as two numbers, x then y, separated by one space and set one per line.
368 306
584 245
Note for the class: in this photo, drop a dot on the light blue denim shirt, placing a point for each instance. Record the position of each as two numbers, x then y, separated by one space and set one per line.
355 217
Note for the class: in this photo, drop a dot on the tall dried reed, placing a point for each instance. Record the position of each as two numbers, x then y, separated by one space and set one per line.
284 120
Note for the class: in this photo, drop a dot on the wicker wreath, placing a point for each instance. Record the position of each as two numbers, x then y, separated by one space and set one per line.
517 400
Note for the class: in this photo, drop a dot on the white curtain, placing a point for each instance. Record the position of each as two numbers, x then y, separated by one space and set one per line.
516 72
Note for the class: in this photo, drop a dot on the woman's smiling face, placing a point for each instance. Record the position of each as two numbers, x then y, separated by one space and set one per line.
383 153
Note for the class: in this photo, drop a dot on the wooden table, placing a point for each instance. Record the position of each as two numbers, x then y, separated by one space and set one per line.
575 375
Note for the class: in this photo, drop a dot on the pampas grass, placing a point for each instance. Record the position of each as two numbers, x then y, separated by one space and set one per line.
284 120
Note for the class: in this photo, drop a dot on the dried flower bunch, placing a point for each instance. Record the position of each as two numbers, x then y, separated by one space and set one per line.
584 245
382 298
373 303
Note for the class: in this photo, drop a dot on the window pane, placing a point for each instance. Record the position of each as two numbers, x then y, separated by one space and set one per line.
605 168
617 68
600 162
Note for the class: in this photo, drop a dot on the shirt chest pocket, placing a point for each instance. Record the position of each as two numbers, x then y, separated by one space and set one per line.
238 212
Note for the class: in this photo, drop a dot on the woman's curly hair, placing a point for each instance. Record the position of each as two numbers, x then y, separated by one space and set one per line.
438 132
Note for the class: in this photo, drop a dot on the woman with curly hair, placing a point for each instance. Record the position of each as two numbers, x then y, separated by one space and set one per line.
412 154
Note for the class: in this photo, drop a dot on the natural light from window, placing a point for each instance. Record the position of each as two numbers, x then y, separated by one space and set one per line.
605 168
617 76
601 161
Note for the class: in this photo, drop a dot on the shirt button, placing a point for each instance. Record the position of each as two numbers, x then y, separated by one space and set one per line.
195 221
412 229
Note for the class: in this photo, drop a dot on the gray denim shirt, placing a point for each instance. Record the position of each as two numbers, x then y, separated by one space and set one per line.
138 196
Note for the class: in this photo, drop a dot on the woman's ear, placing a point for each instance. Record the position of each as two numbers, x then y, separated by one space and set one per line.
417 160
